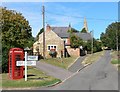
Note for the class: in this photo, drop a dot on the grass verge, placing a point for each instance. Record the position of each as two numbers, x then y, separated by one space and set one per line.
36 78
60 62
115 59
92 57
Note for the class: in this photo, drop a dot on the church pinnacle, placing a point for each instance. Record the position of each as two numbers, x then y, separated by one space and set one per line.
85 25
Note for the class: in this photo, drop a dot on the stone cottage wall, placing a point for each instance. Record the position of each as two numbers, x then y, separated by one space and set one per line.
51 39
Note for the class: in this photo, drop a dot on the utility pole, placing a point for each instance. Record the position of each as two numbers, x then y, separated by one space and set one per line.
117 39
43 17
92 37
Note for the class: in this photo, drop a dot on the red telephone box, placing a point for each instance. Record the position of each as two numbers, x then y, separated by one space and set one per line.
15 54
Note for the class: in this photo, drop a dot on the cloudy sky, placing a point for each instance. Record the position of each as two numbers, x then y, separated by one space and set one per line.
98 14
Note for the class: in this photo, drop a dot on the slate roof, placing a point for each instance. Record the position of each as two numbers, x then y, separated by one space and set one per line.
62 32
85 36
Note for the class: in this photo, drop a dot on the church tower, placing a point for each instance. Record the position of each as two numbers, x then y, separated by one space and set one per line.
85 25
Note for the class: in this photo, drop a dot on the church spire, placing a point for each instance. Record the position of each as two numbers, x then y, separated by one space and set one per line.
70 26
85 25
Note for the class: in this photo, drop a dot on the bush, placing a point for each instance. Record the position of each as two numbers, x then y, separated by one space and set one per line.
53 53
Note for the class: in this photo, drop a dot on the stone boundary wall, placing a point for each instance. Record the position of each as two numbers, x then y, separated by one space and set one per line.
73 52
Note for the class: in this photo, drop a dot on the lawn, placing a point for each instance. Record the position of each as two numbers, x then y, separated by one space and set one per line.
36 78
60 62
92 57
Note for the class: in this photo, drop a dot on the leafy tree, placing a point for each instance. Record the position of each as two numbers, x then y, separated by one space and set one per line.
16 32
88 45
75 41
109 37
97 45
41 30
83 30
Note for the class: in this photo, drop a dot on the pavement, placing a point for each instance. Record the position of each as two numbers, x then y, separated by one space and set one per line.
54 71
77 65
101 75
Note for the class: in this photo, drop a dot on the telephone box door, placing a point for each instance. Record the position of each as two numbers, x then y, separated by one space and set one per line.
15 54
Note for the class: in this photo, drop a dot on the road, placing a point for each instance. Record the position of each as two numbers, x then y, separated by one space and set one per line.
101 75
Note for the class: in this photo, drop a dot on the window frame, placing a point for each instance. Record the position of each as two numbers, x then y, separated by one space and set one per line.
51 47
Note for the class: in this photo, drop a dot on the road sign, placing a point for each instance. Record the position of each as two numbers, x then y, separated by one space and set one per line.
20 63
34 58
29 63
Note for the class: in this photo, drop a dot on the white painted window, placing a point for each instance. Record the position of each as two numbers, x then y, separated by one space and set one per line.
49 47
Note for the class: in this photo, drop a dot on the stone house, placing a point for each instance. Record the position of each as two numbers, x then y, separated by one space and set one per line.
58 38
55 38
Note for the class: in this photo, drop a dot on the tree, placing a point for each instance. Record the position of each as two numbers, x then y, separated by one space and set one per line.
16 32
88 45
83 30
109 37
97 45
41 30
75 41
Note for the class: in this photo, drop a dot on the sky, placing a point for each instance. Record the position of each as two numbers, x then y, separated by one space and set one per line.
98 14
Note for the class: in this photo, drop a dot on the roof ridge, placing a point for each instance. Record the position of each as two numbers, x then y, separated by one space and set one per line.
59 27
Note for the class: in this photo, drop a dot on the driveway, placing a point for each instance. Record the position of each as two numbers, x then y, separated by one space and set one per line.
54 71
77 65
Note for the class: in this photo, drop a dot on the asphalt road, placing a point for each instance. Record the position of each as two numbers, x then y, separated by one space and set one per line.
101 75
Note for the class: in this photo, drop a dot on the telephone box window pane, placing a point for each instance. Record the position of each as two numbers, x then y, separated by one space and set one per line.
18 58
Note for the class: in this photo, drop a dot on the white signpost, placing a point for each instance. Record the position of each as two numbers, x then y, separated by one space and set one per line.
29 61
32 58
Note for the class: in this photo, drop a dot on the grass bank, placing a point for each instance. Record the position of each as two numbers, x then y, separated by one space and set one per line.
60 62
92 57
36 78
115 59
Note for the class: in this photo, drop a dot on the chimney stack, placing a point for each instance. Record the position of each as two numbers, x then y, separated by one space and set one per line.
48 28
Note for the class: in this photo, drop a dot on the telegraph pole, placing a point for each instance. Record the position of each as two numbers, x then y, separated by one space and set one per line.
43 17
92 37
117 39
